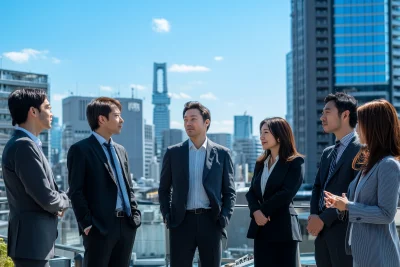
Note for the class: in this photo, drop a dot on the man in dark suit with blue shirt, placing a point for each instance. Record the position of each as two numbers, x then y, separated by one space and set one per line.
335 173
197 192
100 188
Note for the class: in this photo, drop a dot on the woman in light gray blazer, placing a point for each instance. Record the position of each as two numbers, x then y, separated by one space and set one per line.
372 237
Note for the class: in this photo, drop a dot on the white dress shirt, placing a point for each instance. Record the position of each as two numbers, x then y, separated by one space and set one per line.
267 172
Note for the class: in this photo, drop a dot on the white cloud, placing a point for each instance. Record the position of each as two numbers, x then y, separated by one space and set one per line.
227 122
209 96
106 88
58 97
218 58
25 55
187 68
138 87
179 96
56 60
176 124
161 25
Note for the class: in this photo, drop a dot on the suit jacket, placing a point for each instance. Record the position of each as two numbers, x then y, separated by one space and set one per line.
375 241
33 198
218 182
93 188
342 176
277 201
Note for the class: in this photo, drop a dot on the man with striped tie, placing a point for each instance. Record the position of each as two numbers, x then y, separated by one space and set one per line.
334 175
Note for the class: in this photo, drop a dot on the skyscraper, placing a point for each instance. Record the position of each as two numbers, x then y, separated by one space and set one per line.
340 45
161 101
243 127
148 148
289 88
76 128
56 136
170 137
223 139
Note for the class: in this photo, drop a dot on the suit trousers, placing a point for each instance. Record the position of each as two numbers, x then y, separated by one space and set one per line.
330 247
196 231
112 250
275 254
19 262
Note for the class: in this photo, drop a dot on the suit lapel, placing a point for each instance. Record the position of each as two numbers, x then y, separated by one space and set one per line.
210 154
364 180
279 172
101 155
325 171
346 155
185 161
46 165
122 163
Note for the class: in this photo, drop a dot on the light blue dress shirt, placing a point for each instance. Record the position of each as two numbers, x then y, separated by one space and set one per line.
197 196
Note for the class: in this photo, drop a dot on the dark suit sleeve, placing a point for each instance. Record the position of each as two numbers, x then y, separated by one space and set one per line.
316 191
76 181
29 168
328 216
251 197
136 214
164 190
290 186
228 191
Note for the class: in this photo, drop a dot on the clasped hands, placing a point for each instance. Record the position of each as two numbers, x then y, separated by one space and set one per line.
260 218
315 224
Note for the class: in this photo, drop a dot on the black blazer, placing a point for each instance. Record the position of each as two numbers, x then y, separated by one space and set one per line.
33 197
218 182
338 184
93 188
277 201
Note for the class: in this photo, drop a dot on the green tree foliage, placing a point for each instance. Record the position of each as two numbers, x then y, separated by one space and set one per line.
5 261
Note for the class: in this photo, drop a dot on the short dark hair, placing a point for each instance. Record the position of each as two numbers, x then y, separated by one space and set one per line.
100 107
205 112
21 100
344 102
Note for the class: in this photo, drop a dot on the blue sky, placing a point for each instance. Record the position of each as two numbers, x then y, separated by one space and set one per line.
230 55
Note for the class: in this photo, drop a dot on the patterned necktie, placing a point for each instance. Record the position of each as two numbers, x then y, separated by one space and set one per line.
332 167
120 181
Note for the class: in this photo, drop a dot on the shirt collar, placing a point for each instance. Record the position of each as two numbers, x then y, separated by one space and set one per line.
346 139
267 159
31 135
192 146
101 139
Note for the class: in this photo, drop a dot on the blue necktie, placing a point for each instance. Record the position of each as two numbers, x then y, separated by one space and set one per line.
120 179
332 167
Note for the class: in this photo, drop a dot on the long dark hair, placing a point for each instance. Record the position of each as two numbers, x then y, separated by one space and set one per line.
380 128
281 130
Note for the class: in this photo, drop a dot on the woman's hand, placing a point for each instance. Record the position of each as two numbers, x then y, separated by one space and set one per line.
333 201
260 218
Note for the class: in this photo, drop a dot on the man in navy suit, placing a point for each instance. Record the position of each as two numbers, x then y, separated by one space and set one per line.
335 173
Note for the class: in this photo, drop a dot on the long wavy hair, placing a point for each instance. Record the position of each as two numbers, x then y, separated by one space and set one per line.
281 130
379 126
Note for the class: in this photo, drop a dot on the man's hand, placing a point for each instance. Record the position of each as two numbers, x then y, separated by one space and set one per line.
260 218
87 230
61 213
315 225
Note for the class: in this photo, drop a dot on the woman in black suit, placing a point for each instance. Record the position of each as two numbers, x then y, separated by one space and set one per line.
277 177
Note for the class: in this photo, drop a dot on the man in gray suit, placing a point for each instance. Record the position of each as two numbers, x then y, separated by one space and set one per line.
33 196
201 203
